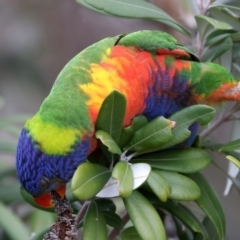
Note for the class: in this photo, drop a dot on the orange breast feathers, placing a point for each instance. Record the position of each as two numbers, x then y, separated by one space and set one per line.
127 70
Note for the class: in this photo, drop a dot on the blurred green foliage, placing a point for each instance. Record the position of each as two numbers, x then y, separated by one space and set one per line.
216 39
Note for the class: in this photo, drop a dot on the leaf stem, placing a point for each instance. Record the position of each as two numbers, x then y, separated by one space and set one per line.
82 211
221 119
115 231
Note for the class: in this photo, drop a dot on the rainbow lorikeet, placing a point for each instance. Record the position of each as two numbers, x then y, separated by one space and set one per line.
158 77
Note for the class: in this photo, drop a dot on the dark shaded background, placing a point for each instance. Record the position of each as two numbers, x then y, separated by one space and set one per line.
37 38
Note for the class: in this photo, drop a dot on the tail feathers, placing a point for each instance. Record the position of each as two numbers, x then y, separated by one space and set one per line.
226 92
213 83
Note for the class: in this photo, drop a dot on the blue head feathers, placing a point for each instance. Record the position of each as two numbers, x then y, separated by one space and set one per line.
39 172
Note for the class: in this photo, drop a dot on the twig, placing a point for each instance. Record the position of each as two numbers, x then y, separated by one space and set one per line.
81 213
115 231
66 226
219 121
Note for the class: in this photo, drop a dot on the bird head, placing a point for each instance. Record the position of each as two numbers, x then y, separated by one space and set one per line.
40 173
44 199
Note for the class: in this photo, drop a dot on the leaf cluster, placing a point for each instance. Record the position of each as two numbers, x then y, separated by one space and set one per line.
150 182
141 165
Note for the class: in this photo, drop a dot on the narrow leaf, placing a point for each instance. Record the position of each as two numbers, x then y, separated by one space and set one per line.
111 115
88 180
234 160
108 141
151 136
40 235
186 117
12 225
112 219
217 36
183 232
7 147
207 223
40 220
106 204
180 160
159 185
94 225
179 211
136 9
140 171
144 217
217 50
210 204
128 132
230 146
182 187
224 15
122 172
186 216
219 5
129 233
215 23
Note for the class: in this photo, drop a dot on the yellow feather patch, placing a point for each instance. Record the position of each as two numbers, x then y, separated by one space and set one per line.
52 139
104 80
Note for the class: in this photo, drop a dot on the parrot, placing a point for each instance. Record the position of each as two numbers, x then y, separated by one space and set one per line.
158 77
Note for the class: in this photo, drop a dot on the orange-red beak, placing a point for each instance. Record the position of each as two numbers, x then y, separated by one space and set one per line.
45 200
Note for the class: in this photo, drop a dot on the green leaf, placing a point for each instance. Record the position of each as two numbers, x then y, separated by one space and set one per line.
217 36
210 204
180 160
215 23
129 233
94 225
186 216
9 191
204 28
88 180
6 171
159 185
111 115
230 146
225 59
83 3
144 217
40 220
234 160
108 141
112 219
183 232
184 118
211 230
7 147
136 9
128 132
40 234
12 224
122 172
150 136
228 18
219 5
182 187
140 172
179 211
217 50
106 204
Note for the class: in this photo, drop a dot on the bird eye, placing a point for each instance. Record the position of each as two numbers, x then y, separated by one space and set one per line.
44 182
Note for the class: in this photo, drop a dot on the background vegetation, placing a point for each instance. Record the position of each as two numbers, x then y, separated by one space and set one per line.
211 40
